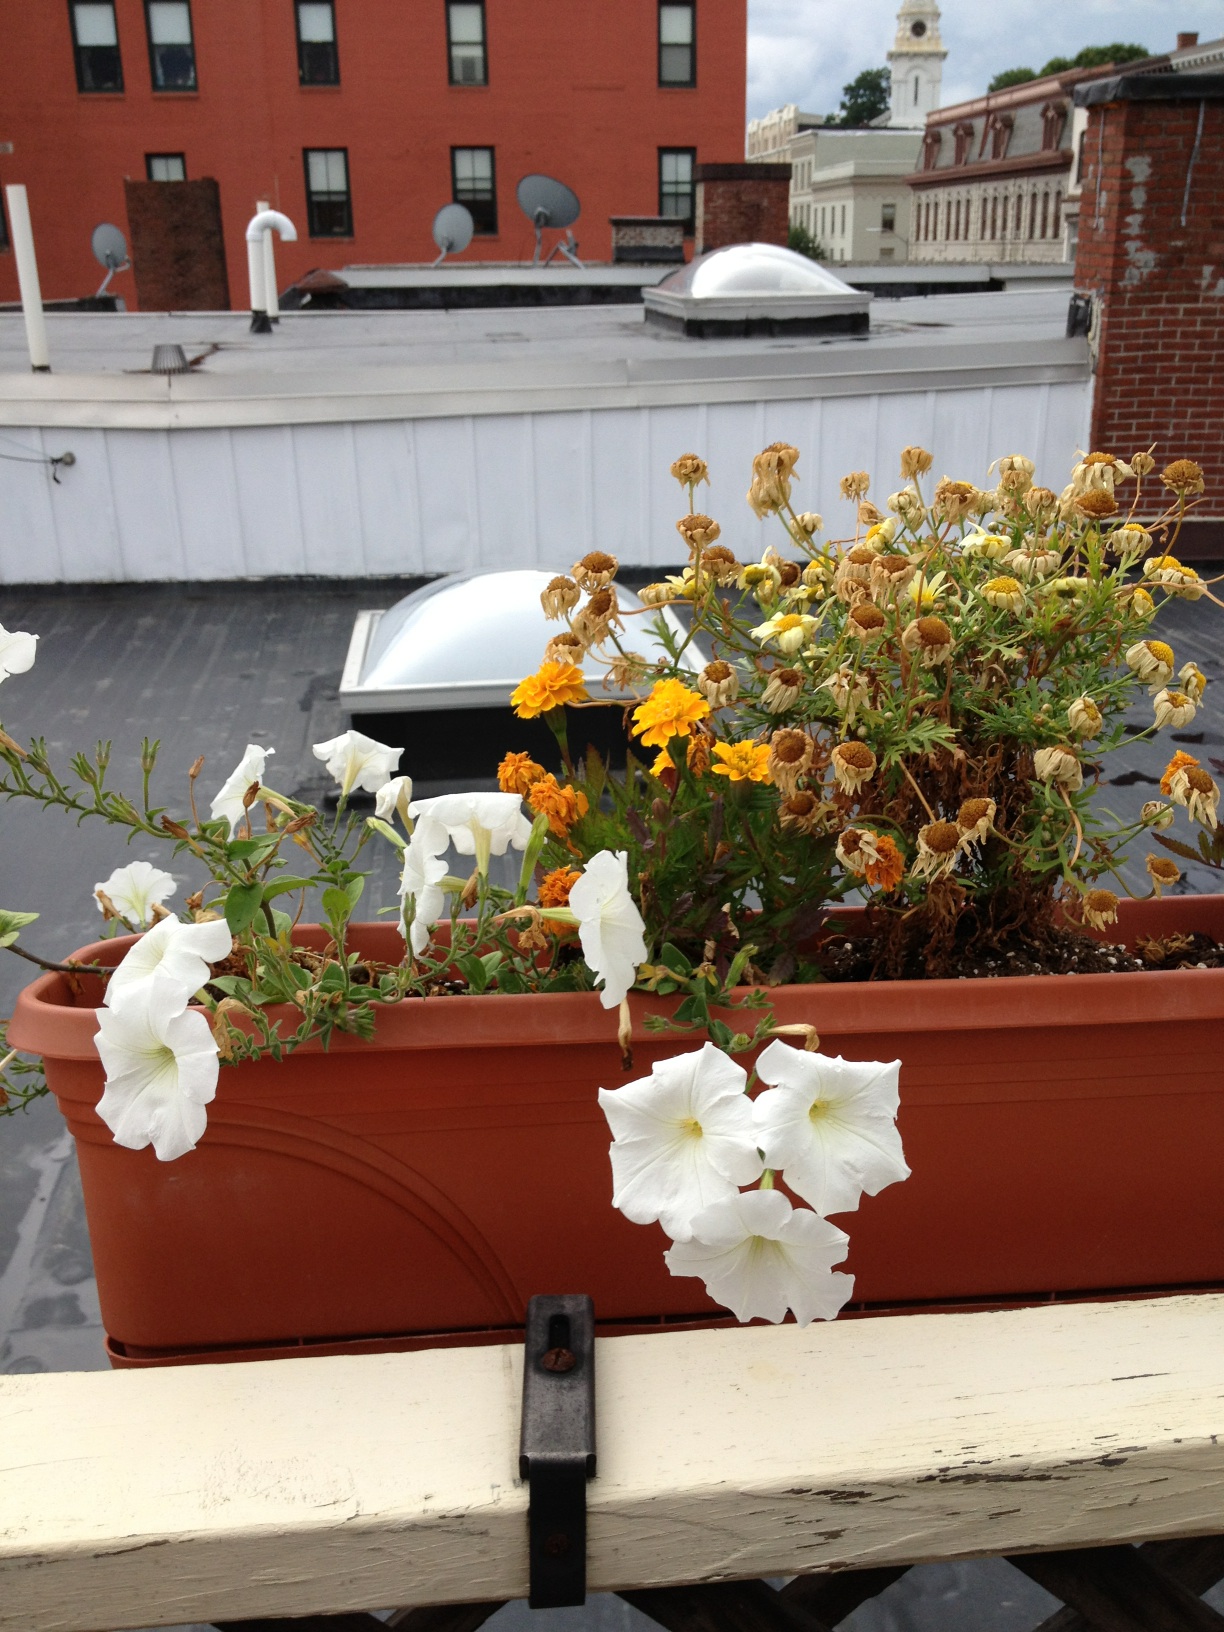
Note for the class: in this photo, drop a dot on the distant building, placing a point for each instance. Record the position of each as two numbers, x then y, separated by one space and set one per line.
850 190
769 137
993 174
916 65
1189 57
359 120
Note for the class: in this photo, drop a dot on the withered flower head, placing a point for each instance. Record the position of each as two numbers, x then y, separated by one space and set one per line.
868 515
954 500
1096 504
939 844
1162 872
1100 909
1183 477
975 818
789 573
1142 464
907 504
866 620
803 812
595 570
1041 503
689 470
718 563
930 638
771 478
698 531
808 523
853 764
855 485
790 757
914 462
594 621
1015 473
1059 766
564 648
718 683
558 596
1156 814
782 690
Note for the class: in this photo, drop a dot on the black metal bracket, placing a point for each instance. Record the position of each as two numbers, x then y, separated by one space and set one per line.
557 1444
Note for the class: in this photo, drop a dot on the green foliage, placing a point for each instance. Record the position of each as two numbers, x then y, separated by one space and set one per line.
802 242
865 98
1092 56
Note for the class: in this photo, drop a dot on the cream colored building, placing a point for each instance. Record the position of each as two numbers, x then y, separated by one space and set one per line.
850 190
768 139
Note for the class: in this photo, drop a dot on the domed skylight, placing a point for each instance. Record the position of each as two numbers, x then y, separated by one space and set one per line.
752 269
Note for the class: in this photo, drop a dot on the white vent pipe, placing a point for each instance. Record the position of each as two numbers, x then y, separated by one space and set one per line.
27 278
260 228
270 286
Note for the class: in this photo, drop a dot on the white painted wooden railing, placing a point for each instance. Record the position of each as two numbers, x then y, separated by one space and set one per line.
215 1493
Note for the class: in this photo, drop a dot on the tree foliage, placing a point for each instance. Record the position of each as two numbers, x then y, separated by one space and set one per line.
804 243
865 98
1092 56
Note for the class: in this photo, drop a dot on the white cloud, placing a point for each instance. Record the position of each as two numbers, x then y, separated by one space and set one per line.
804 51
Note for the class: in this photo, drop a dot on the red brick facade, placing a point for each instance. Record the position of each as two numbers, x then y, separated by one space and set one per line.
1151 251
742 204
571 90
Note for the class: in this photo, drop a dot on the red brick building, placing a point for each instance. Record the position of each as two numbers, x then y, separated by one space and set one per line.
360 118
1151 254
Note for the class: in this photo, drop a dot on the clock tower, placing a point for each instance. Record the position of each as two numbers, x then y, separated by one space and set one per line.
916 64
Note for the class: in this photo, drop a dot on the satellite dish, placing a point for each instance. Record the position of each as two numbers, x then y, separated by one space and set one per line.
110 250
549 203
452 230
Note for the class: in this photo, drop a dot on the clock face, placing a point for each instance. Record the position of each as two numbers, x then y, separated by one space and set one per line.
918 29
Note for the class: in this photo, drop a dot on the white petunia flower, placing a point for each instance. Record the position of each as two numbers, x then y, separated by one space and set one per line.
393 799
477 824
228 804
610 926
357 762
682 1138
17 651
759 1257
420 882
135 890
829 1125
161 1071
174 952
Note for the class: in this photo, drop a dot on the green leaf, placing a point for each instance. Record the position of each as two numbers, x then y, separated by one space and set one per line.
1177 847
11 925
283 884
241 905
253 850
675 960
509 980
473 971
336 905
666 987
354 888
491 962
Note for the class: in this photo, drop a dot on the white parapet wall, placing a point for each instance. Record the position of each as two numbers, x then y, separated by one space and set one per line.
527 456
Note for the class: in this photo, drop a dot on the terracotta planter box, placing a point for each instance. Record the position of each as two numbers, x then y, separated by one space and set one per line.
1065 1135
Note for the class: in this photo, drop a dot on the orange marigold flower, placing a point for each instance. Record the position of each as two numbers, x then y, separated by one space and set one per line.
743 761
549 687
562 806
671 710
887 869
1179 762
555 887
519 773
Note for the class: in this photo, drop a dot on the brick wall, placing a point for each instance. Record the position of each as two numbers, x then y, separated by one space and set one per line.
1155 148
741 204
178 252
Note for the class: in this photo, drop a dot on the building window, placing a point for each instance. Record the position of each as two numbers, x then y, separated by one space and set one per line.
318 58
1079 157
5 242
1057 212
329 206
676 183
95 45
843 220
474 184
1045 213
930 148
888 217
171 48
465 39
166 166
677 44
1053 118
963 134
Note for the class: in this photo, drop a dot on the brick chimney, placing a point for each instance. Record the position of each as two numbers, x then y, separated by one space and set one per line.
742 204
1151 253
1185 41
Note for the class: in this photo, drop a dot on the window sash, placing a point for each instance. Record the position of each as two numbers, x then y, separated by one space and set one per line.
316 20
165 166
677 44
318 56
94 24
169 22
466 45
171 46
474 185
676 190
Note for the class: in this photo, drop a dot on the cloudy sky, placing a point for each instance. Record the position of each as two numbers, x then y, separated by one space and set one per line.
804 51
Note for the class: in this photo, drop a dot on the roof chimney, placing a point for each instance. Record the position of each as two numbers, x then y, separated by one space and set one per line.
1185 41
